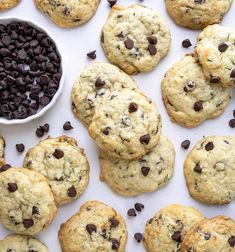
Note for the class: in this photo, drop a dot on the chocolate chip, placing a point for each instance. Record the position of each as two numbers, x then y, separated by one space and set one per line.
198 106
138 237
231 241
113 222
5 167
176 236
67 126
58 154
12 187
72 192
207 236
133 107
35 210
28 223
20 147
139 207
197 168
232 123
232 75
222 47
22 54
129 44
209 146
115 244
46 127
186 43
152 40
199 1
106 131
91 55
185 144
131 212
152 49
214 80
39 132
145 170
112 3
145 139
91 228
99 83
189 86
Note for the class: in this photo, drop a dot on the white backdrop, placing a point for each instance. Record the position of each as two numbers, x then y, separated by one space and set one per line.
75 43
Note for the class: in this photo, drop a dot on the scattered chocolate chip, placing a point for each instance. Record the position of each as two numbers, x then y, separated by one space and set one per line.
72 192
145 139
67 126
91 228
58 154
115 244
99 83
138 237
152 40
214 80
129 44
152 49
91 55
232 123
207 236
112 3
139 207
113 222
209 146
197 168
186 43
39 132
176 236
198 106
28 223
20 147
5 167
145 170
185 144
232 75
131 212
35 210
106 131
12 187
231 241
222 47
46 127
133 107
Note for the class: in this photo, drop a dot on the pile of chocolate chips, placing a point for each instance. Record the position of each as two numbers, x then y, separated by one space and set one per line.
30 70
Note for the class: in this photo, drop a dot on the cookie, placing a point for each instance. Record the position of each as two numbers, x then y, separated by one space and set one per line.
6 4
188 97
135 38
68 13
27 203
63 163
126 124
216 234
96 81
197 14
209 170
21 243
96 227
216 53
2 147
166 230
147 174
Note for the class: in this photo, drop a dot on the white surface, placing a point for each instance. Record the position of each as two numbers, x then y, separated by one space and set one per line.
75 43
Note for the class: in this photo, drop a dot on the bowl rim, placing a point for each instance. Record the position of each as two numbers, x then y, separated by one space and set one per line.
3 120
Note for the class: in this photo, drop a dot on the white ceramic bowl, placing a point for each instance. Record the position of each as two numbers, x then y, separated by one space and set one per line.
59 91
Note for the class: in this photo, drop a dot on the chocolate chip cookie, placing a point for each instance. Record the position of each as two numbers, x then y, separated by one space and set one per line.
189 98
2 147
63 163
216 53
146 174
96 227
197 14
96 81
6 4
216 234
135 38
209 170
166 230
68 13
27 203
126 124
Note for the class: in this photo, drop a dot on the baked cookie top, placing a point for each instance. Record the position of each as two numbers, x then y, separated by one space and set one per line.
166 230
27 203
21 243
126 124
96 227
216 53
68 13
216 234
96 81
197 14
63 163
146 174
6 4
135 38
188 97
209 170
2 147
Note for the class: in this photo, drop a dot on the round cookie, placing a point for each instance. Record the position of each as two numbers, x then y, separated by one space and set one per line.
197 14
188 97
126 124
209 170
216 53
216 234
96 227
135 38
166 230
147 174
63 163
27 203
21 243
2 147
68 13
6 4
95 81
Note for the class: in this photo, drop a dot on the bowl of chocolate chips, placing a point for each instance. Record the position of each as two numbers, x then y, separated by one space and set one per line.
31 71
